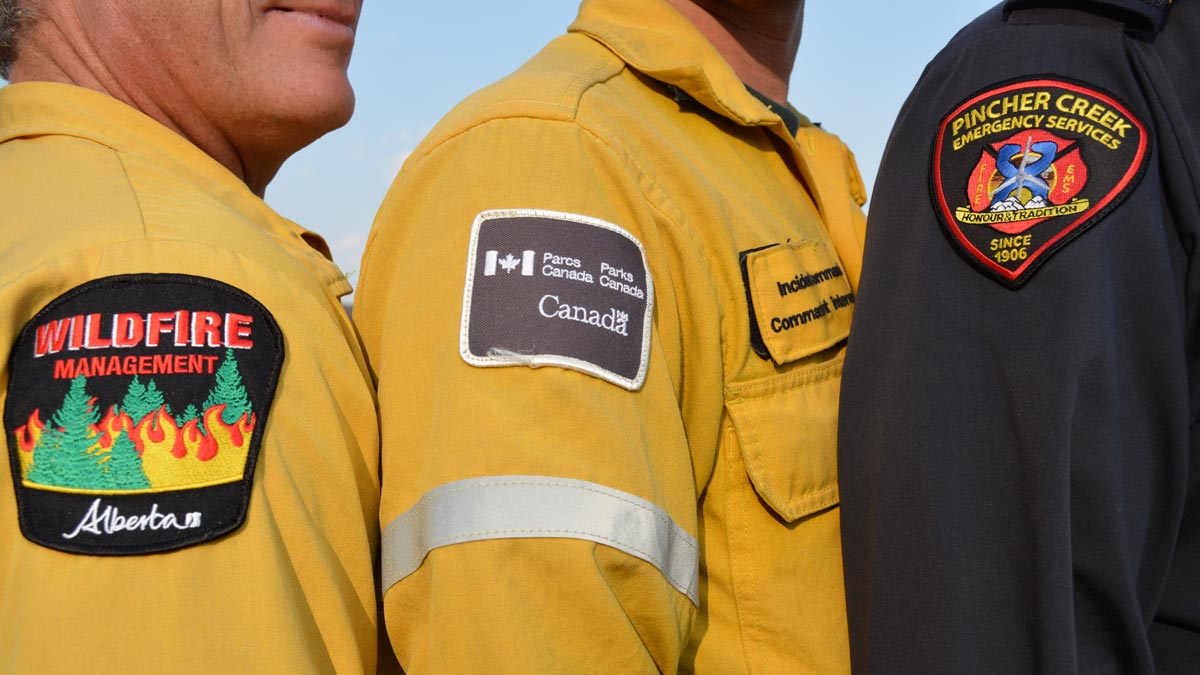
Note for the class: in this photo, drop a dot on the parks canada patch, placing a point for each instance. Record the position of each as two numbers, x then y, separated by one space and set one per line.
1023 168
135 410
546 288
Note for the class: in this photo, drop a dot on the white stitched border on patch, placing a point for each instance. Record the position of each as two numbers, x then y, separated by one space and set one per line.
500 358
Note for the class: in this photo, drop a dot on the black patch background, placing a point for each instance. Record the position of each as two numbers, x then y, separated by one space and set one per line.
504 308
46 515
1106 168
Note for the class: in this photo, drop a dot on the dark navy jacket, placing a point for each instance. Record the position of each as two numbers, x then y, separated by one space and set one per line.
1018 457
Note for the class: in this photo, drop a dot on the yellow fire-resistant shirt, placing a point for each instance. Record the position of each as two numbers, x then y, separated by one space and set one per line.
606 302
108 214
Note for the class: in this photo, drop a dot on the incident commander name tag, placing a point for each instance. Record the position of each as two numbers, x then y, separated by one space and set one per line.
802 302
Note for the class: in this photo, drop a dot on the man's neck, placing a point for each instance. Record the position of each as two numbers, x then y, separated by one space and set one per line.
758 38
58 49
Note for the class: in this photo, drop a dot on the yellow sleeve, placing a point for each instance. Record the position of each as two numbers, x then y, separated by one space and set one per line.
538 517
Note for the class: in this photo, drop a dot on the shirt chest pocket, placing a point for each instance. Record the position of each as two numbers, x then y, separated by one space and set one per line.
779 520
786 431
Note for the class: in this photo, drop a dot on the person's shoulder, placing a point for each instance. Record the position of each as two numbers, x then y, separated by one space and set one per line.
1009 22
62 191
1140 18
1014 38
550 86
73 200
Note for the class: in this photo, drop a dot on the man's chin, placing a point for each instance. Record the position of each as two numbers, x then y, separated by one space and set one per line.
307 119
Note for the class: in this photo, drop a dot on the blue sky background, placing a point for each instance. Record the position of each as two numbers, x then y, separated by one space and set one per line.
414 60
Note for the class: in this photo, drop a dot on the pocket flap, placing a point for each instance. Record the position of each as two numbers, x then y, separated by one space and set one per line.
786 428
800 298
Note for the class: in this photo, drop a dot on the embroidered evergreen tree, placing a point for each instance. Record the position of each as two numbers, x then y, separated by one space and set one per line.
154 398
134 403
61 457
190 413
141 400
229 391
44 469
123 468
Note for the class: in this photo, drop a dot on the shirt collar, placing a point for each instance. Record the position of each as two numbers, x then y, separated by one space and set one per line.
48 108
656 40
51 108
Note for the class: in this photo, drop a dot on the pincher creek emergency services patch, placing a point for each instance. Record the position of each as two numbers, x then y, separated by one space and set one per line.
1024 167
135 410
557 289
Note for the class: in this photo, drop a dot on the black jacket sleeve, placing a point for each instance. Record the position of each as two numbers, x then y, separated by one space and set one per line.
1017 455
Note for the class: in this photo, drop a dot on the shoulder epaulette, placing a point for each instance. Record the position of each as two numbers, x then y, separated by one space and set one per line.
1138 15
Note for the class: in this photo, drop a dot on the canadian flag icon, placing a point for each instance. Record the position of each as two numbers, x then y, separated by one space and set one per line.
508 263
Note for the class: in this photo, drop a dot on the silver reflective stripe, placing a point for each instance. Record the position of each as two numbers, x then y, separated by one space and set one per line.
512 507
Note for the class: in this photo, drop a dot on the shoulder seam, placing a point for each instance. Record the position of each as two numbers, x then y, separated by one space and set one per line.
133 192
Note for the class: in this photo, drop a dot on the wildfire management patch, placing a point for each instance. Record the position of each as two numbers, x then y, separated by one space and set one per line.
135 411
550 288
1022 168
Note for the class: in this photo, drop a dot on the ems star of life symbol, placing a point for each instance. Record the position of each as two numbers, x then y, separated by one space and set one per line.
1023 180
1023 168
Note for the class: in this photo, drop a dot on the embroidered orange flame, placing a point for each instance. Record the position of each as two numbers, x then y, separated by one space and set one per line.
173 457
108 429
105 432
27 439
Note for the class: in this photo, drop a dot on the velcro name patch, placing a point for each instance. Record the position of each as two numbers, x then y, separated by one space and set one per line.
546 288
1022 168
800 300
135 410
